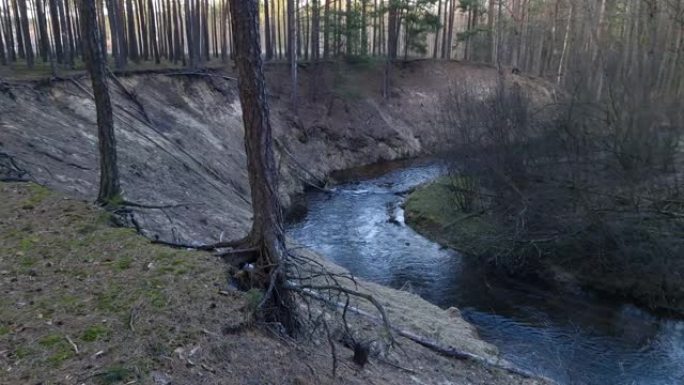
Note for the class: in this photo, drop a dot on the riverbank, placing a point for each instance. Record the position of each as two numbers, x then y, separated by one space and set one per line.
85 302
432 211
180 136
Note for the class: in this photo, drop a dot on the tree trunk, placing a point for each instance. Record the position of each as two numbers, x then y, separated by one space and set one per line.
348 29
326 30
9 38
56 31
559 74
142 24
490 31
92 49
439 18
375 28
338 29
292 50
71 44
450 32
21 49
26 35
298 30
132 39
267 228
153 31
364 28
205 30
267 30
3 56
315 30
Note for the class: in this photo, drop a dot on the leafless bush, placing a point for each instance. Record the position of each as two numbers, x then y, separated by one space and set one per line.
595 182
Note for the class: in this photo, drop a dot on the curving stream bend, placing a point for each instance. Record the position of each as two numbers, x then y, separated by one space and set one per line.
583 340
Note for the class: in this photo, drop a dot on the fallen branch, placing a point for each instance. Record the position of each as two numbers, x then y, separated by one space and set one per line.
72 343
169 206
200 74
132 97
209 247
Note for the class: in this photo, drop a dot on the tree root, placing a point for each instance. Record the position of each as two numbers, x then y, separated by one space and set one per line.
435 346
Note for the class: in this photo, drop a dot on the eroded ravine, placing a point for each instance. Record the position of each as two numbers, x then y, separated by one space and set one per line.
572 340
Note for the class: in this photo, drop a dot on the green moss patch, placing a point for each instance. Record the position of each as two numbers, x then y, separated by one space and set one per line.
436 211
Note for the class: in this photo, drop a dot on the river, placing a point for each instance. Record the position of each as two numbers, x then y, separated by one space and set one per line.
573 340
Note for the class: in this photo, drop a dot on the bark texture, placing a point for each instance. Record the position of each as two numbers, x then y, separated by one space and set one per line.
109 173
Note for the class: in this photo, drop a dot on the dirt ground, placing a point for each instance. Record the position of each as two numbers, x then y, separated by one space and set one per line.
87 303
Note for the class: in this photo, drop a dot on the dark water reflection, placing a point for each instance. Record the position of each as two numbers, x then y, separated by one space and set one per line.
573 340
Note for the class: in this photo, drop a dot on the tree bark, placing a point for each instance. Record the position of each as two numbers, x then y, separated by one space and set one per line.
267 227
267 30
3 56
70 47
142 25
132 39
153 31
94 58
315 30
326 30
450 31
26 35
9 38
292 50
559 74
56 30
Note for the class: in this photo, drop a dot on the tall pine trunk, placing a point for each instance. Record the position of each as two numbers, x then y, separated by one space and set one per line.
267 232
292 50
56 30
267 30
26 36
132 36
94 58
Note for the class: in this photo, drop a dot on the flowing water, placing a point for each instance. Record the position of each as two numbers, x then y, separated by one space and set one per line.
582 340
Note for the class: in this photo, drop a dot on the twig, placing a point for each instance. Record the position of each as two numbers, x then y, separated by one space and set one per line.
132 97
71 342
131 317
432 345
332 349
392 364
311 290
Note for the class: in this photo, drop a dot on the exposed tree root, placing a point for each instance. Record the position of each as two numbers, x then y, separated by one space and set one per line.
435 346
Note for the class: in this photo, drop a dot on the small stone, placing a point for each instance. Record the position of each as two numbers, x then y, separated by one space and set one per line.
454 312
160 378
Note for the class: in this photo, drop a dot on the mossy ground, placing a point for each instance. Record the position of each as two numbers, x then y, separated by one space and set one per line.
84 300
433 210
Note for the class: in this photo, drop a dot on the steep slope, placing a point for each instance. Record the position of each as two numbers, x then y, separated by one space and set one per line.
180 137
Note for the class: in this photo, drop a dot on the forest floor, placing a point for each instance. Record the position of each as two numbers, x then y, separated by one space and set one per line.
87 303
